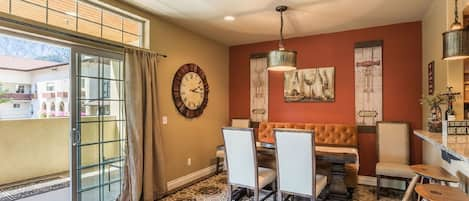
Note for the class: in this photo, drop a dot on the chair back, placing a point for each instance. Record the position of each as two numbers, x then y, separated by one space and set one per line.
241 156
393 142
240 123
296 164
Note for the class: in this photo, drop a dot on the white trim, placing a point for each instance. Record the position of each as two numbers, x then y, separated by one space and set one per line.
386 183
181 181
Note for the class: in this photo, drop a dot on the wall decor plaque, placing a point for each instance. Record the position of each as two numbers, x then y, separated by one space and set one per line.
368 83
259 110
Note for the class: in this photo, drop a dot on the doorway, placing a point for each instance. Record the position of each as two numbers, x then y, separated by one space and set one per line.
62 110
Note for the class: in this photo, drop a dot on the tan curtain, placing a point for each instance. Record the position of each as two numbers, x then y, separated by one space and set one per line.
144 177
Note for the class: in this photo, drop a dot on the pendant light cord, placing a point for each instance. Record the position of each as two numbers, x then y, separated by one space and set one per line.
280 44
456 16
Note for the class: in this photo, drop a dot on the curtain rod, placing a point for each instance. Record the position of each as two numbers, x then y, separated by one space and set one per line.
146 50
44 28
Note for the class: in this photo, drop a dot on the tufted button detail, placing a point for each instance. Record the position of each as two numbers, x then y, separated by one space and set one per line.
325 134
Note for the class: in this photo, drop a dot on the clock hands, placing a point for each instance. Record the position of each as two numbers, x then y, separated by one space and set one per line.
197 90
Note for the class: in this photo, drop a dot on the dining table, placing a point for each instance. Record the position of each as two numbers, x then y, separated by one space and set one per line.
337 190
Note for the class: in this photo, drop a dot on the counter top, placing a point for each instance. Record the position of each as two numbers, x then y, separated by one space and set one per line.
458 145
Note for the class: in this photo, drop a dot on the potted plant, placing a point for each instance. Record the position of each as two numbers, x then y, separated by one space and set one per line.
434 122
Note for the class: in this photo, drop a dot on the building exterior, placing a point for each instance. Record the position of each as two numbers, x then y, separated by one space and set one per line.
37 90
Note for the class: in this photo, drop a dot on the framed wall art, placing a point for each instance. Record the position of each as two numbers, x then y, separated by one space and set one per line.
310 85
259 110
431 78
368 83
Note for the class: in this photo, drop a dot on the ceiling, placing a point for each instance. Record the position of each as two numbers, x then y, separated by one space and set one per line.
256 20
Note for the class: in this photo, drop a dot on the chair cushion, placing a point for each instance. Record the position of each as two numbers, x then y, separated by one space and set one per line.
321 183
266 176
394 170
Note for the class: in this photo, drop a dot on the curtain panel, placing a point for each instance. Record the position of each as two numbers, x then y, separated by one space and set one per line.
144 175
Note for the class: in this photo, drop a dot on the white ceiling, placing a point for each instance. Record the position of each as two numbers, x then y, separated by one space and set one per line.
256 20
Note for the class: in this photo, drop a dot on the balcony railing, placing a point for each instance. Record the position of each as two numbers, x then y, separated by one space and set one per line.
15 96
48 95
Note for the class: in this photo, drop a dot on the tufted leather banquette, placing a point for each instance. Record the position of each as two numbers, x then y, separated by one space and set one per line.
335 135
325 134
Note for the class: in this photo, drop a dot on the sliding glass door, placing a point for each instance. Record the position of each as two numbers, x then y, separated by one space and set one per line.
98 125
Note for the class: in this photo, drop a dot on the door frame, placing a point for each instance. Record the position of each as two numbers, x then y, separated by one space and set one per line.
96 49
75 135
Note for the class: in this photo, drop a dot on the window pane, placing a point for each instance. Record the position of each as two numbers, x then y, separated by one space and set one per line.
132 26
39 2
90 28
89 155
112 20
92 194
90 178
89 12
29 11
89 66
112 69
62 20
131 39
5 6
89 131
66 6
112 34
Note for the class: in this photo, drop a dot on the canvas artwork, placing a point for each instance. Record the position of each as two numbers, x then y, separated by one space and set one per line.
259 90
368 83
310 85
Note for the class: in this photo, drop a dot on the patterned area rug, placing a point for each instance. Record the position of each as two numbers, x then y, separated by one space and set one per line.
214 189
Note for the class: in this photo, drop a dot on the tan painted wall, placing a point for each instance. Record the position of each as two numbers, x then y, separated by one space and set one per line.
188 138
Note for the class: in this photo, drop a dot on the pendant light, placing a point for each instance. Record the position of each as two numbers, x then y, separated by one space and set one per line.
281 59
456 40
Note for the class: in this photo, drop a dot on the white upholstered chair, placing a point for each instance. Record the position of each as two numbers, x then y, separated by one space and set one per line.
241 157
393 145
220 154
296 164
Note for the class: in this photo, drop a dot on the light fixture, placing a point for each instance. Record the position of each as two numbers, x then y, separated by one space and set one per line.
281 59
456 40
229 18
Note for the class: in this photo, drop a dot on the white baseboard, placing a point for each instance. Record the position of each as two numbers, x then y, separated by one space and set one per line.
371 181
186 179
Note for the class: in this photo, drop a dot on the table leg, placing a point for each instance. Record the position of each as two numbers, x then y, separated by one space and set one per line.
337 189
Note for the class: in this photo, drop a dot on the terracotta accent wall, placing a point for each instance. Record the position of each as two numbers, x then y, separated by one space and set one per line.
402 81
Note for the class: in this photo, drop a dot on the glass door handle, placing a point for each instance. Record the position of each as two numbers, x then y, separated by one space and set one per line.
75 136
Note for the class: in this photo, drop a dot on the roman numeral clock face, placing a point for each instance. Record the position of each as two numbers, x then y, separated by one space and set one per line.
190 90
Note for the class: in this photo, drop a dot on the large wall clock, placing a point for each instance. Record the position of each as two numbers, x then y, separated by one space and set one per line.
190 90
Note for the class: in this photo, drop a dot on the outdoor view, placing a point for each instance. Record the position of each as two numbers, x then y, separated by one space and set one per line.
35 111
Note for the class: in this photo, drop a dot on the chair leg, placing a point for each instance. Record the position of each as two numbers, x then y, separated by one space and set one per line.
378 186
256 194
218 166
229 193
274 190
279 196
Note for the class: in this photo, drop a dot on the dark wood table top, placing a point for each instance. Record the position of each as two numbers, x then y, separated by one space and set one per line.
320 155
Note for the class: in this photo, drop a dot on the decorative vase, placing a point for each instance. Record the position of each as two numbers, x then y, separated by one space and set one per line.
434 123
